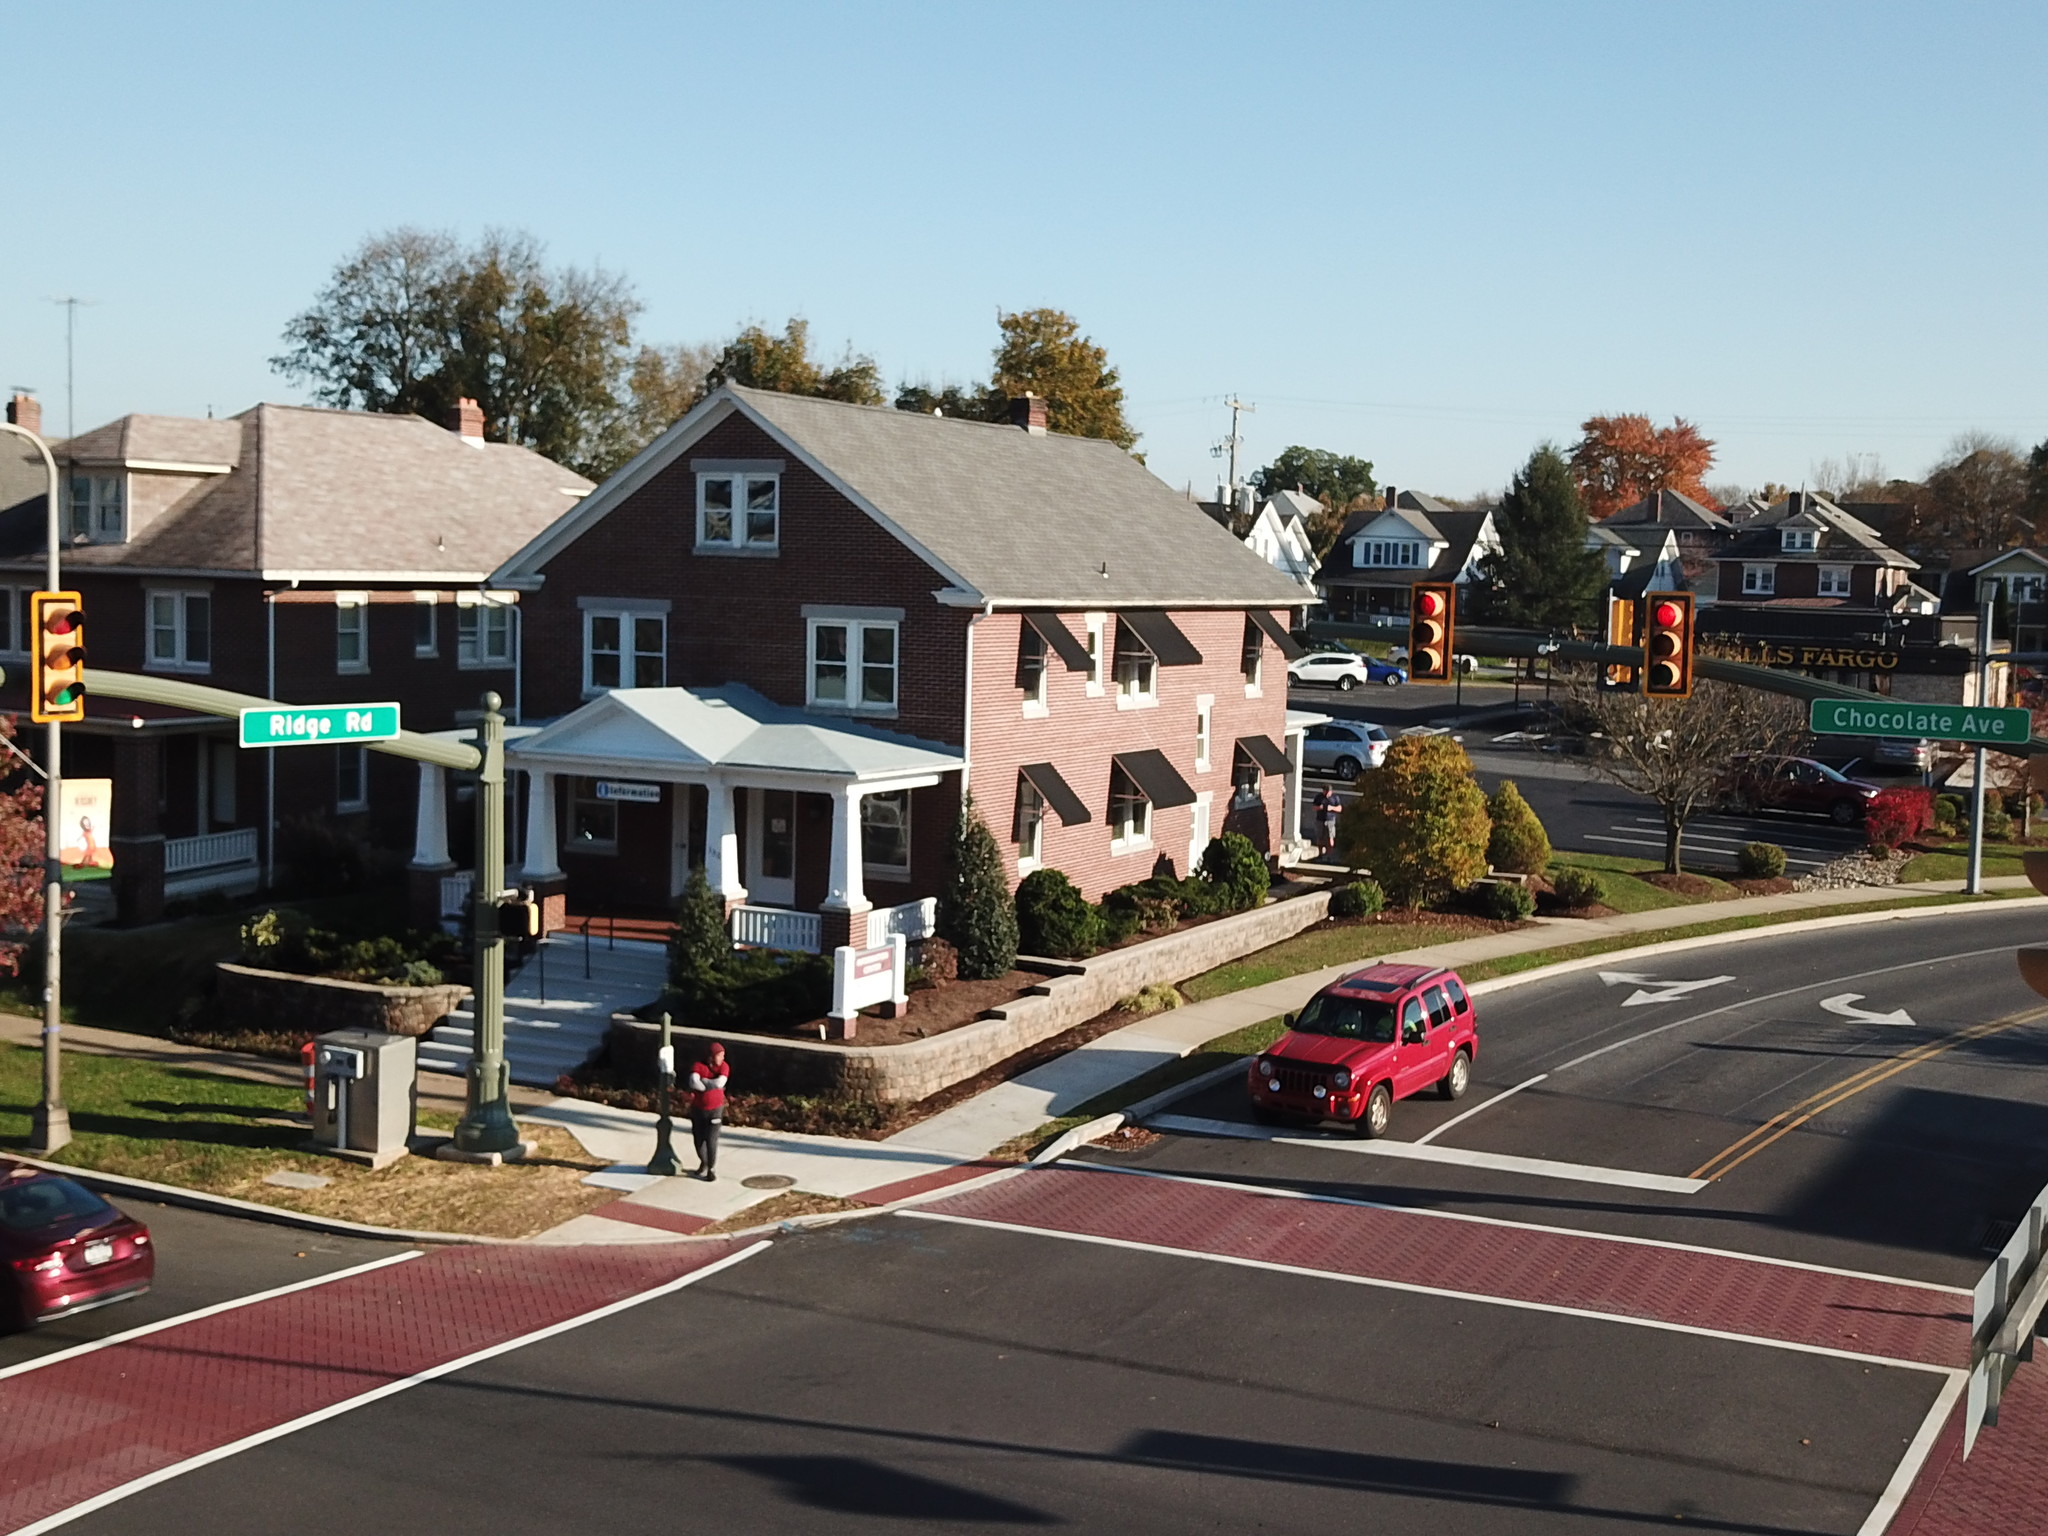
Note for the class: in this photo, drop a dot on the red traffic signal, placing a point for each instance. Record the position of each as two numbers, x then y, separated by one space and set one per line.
1432 631
1667 645
57 669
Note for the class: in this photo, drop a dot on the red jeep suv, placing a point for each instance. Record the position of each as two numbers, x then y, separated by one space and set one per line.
1377 1035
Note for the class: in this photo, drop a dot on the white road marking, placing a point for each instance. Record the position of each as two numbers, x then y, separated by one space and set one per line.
1553 1308
1666 991
1658 843
1498 1162
1845 1005
1880 1517
364 1399
1428 1136
213 1311
1282 1192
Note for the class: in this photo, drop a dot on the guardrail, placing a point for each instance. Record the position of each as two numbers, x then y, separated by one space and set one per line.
776 928
913 919
2005 1312
211 850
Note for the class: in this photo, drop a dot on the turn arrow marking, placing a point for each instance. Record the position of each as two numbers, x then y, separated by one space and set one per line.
1845 1005
1650 989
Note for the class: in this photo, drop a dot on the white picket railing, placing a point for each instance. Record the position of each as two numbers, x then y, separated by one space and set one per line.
914 920
775 928
213 850
455 891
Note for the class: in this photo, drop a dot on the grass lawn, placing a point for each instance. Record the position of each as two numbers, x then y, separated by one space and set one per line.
222 1135
1953 862
1312 951
1619 887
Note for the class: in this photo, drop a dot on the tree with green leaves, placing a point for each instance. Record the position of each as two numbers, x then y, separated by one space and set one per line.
1339 481
962 402
1543 574
976 915
1419 825
760 360
1044 353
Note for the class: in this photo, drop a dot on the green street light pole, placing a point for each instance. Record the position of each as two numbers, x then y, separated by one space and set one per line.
486 1124
50 1127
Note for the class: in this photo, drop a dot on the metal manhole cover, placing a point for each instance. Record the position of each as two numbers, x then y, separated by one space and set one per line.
768 1181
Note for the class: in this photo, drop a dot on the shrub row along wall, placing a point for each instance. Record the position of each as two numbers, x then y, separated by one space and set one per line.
251 999
916 1069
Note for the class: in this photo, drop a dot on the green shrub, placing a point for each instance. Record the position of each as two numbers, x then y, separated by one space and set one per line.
283 940
1419 824
1997 820
1576 887
1236 871
1760 861
1504 900
1360 898
752 989
976 915
1157 998
1518 843
1951 812
701 942
1053 918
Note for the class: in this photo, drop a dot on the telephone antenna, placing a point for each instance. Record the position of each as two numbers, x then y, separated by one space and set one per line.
71 303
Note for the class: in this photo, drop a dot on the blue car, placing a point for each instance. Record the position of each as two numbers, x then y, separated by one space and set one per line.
1343 669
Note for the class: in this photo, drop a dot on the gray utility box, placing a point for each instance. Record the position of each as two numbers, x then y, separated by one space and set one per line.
365 1091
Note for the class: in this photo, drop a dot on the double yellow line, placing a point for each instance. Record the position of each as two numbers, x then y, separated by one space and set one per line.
1785 1122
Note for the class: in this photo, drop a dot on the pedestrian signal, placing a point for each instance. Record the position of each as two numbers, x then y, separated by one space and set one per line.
1432 631
58 664
1667 644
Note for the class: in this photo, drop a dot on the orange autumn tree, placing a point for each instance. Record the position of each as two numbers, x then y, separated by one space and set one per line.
1621 459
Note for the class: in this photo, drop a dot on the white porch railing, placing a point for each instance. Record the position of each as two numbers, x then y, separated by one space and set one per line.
455 893
775 928
213 850
914 920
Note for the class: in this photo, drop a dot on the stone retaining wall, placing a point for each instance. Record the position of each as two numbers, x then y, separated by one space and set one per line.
251 999
916 1069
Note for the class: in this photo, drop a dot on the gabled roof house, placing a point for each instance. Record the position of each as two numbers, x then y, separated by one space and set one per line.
1383 550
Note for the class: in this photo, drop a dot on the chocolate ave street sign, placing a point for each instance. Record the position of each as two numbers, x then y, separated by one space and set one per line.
1937 722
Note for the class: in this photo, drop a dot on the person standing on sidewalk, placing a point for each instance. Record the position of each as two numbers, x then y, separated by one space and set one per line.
707 1108
1328 807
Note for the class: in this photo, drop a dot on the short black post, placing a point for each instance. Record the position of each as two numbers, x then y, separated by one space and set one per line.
665 1163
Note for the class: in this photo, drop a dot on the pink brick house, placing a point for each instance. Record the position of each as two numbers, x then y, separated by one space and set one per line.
785 639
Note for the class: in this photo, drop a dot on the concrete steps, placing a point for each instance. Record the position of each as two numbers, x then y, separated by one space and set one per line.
555 1017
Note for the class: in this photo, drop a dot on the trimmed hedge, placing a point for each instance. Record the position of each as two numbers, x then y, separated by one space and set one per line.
1760 861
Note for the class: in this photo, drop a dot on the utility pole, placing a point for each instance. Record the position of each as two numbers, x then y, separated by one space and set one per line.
1235 441
1987 602
486 1126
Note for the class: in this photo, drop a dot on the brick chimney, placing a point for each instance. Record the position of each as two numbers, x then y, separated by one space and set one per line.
26 411
1393 497
1028 411
467 421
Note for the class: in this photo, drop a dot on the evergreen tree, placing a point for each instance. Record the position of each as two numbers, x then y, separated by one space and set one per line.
700 944
976 915
1543 574
1518 844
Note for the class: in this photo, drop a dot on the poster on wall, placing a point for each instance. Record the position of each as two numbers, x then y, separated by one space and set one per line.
84 816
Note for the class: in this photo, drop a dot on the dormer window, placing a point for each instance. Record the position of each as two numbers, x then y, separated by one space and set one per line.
1796 540
739 511
1390 552
97 508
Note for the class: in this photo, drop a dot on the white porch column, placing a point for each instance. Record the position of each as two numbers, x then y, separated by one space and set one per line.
1291 797
844 890
430 824
542 844
722 842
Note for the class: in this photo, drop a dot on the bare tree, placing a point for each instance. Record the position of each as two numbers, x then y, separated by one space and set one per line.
1975 498
1682 752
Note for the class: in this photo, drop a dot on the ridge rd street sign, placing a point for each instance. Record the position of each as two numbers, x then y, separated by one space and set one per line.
1938 722
293 725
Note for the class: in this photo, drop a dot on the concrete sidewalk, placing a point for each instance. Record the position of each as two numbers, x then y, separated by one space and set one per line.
1062 1086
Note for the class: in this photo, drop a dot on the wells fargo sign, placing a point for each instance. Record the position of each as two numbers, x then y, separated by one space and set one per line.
1805 655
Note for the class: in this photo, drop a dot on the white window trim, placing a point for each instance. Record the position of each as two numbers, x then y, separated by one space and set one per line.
1140 838
95 508
893 874
1098 626
362 801
738 543
1834 581
629 652
466 604
150 661
856 629
1038 701
14 634
1130 696
1205 730
1759 581
431 603
1035 857
357 603
1797 540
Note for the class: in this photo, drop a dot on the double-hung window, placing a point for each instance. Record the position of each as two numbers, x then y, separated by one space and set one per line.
885 835
1796 539
1030 826
1204 718
1097 623
1399 552
352 778
1834 581
180 631
15 618
624 650
1137 669
98 508
853 664
426 629
1759 580
351 632
1244 780
1032 670
483 635
738 510
1253 662
1130 813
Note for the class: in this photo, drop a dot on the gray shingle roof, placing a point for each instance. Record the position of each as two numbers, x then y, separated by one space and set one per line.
1018 518
1668 509
157 439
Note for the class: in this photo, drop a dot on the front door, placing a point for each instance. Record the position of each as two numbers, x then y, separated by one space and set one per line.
771 846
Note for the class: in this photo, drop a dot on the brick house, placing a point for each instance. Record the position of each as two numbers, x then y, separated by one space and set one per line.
781 641
288 552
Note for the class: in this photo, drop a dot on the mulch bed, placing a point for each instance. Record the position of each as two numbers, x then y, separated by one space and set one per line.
1548 907
1450 922
932 1011
1127 1138
1698 887
1774 887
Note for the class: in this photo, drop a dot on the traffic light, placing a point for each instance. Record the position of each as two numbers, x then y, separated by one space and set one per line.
1667 645
1432 631
58 669
1621 630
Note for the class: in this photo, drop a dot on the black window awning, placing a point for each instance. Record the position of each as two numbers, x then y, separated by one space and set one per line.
1069 649
1158 634
1058 794
1290 648
1157 779
1264 751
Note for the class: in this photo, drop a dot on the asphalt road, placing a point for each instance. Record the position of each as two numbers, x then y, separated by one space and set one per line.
907 1373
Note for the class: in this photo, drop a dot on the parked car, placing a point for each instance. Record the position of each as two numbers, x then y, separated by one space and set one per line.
1345 747
65 1249
1797 784
1377 1035
1465 663
1905 752
1343 669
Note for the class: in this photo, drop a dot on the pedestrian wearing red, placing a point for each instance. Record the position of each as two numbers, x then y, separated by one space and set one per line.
707 1108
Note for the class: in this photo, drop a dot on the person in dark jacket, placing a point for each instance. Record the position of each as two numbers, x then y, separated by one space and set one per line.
707 1108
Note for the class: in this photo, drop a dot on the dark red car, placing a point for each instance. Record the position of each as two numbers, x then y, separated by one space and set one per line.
66 1249
1375 1036
1798 784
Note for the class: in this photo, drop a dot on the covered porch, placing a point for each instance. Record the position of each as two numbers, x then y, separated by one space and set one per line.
815 831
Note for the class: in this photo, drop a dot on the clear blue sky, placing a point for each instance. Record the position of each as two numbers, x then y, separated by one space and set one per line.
1430 235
